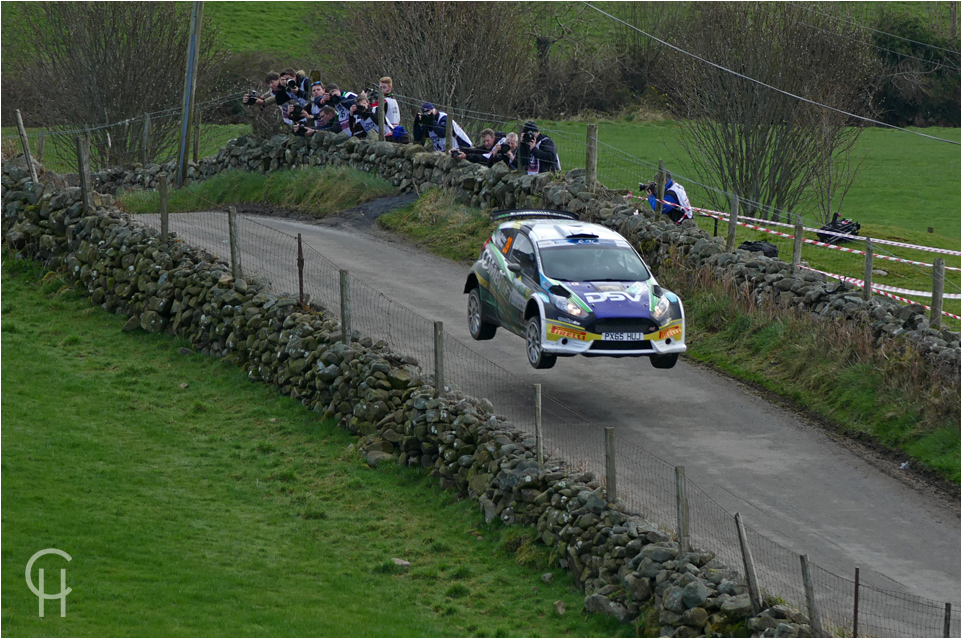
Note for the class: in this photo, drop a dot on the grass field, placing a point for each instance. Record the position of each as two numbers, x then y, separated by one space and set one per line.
194 503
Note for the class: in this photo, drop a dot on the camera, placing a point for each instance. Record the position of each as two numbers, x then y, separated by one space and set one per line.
527 137
291 83
372 93
650 187
297 113
456 153
251 97
333 99
300 130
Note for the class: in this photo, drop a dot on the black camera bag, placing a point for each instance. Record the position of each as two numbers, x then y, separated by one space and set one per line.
765 248
839 225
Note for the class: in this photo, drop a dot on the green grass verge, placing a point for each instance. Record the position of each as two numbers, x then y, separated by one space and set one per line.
318 191
194 503
881 396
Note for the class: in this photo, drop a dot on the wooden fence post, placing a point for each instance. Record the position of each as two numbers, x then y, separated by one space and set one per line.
439 359
591 157
145 140
855 608
538 432
235 254
164 217
867 289
947 626
797 246
25 143
449 133
661 186
345 306
749 563
681 511
196 123
300 271
41 143
611 474
813 617
519 168
938 290
83 168
732 225
381 108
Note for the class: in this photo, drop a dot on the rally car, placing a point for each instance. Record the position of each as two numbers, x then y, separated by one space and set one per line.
571 288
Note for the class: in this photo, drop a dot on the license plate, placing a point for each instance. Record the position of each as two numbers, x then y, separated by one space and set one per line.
622 337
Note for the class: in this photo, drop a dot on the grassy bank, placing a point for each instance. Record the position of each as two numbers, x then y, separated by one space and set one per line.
194 503
885 396
318 191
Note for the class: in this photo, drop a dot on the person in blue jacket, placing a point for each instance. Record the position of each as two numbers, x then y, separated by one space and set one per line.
675 205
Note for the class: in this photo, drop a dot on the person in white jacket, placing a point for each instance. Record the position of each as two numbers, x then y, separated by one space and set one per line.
676 205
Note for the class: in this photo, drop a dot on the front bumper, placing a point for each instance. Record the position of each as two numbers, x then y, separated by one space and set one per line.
564 339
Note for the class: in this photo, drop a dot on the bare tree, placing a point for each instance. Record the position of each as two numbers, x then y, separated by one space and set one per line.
103 62
461 55
765 146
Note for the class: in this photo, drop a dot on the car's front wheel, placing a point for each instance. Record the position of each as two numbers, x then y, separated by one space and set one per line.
536 355
664 361
479 329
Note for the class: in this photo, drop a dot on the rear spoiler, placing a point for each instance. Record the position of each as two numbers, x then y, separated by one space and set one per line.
522 214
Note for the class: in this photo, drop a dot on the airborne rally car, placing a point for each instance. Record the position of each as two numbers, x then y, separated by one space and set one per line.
571 288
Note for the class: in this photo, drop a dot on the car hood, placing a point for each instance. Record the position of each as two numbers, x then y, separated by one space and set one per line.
614 299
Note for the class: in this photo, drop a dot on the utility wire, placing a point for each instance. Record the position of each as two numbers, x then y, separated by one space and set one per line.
862 26
768 86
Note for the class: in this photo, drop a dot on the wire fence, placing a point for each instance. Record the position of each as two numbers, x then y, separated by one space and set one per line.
646 483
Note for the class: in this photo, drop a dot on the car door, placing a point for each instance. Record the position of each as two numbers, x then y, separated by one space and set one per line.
522 278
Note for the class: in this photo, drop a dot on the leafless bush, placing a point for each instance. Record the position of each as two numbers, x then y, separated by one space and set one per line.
765 146
105 62
469 55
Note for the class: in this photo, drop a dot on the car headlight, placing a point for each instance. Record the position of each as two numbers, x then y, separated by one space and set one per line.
661 312
565 305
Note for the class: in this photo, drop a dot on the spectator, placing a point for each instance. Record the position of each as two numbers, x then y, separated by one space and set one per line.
538 151
431 123
675 205
392 113
479 154
399 135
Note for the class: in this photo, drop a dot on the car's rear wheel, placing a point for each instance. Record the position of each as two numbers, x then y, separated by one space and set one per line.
664 361
479 329
536 355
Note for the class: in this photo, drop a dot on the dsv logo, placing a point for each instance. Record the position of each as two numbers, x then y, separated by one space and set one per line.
38 589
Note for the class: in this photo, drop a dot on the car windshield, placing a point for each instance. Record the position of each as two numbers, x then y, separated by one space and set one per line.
592 263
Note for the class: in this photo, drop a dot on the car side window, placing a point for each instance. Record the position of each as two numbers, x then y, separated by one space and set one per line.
504 238
523 254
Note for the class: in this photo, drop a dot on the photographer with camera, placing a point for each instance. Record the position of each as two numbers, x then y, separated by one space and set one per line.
432 123
538 151
341 102
506 150
479 154
326 121
675 203
362 117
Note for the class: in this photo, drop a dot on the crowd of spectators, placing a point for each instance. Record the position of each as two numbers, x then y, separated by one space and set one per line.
308 106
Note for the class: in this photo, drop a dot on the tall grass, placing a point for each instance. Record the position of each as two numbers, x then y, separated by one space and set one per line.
886 393
318 191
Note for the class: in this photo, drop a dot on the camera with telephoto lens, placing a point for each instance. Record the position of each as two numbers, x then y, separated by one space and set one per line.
650 187
292 83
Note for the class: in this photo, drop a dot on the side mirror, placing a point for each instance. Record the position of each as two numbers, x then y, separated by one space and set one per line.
514 268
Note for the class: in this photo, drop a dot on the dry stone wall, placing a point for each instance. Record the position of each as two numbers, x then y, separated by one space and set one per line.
627 566
410 167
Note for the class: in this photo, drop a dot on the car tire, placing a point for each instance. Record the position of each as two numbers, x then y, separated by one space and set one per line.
479 329
536 355
664 361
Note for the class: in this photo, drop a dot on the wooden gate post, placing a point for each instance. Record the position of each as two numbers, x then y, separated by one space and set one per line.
591 157
938 290
25 143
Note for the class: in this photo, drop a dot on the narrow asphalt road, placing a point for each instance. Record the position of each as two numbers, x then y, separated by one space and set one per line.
790 482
